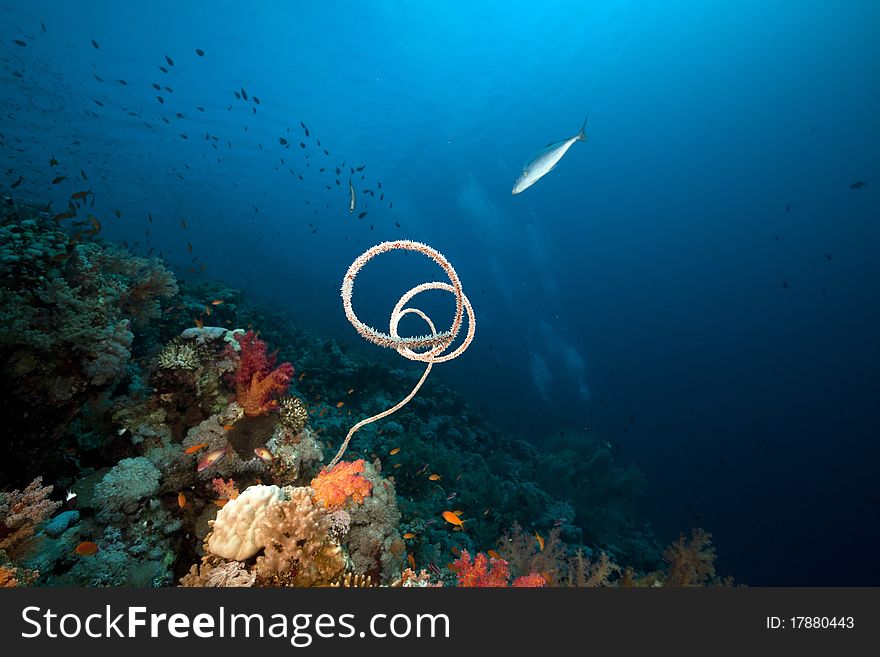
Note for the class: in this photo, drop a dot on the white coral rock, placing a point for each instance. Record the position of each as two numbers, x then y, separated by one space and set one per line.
237 534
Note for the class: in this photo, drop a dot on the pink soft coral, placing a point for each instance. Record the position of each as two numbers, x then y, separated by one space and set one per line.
227 490
345 481
256 384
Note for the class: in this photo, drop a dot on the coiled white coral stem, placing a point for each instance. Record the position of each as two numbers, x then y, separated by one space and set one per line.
436 343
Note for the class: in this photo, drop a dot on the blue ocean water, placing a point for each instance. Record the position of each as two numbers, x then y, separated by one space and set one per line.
697 284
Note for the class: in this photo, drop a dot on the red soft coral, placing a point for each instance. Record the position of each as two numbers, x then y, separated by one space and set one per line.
253 358
345 481
534 580
484 571
256 383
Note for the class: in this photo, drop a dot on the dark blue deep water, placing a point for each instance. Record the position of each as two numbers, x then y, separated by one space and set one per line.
696 285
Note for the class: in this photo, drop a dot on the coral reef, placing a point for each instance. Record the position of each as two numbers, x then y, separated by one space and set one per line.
192 456
68 308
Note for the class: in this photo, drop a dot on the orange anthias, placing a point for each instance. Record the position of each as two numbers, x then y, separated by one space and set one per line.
343 483
86 549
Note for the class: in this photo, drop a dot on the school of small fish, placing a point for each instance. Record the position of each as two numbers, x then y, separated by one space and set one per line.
154 109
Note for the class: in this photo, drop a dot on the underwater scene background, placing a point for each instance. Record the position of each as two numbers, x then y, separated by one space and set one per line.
673 377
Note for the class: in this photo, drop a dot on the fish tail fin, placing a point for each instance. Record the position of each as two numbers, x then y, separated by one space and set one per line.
582 136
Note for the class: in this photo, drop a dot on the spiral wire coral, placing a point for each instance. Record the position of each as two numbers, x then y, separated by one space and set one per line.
436 343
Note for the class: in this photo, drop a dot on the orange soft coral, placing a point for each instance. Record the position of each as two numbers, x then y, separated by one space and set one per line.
258 397
691 562
343 482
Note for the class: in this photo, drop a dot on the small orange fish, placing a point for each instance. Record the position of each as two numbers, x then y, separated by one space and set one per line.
301 376
195 448
452 519
221 502
64 215
96 226
264 454
217 302
208 311
434 477
397 465
494 554
210 459
350 390
228 427
409 535
455 551
199 323
86 549
540 540
394 451
181 500
458 512
412 562
80 195
339 404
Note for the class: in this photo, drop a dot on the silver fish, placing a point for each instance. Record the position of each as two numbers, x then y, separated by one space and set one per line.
543 162
352 202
